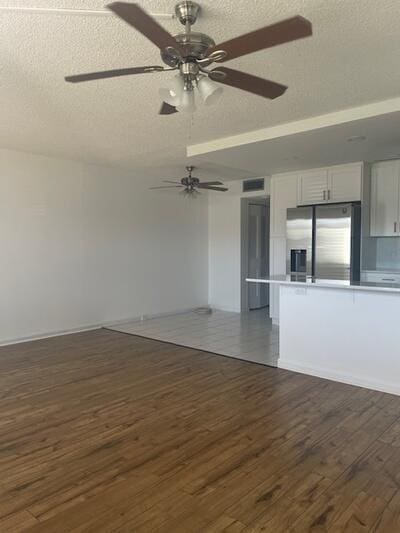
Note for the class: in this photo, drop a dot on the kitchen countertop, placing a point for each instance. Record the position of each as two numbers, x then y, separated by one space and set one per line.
308 281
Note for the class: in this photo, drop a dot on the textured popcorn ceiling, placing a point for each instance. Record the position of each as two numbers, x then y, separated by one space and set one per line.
352 59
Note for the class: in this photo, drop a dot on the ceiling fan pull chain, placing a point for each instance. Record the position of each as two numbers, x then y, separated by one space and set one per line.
191 125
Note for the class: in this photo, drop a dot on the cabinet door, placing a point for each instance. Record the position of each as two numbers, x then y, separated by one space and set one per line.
313 187
278 256
380 277
385 199
274 302
283 196
344 184
277 267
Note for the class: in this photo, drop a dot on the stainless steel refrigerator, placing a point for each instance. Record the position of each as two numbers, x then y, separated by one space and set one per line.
324 241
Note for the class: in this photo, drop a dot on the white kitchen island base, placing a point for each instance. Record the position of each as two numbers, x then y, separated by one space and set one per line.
341 332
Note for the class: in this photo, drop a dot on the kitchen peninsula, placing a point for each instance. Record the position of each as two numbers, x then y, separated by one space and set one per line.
340 330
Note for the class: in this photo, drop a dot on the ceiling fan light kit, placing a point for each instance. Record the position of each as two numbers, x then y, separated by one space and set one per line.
188 101
210 91
192 54
172 95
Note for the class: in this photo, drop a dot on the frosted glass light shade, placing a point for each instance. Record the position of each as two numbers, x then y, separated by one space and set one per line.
173 94
188 103
210 91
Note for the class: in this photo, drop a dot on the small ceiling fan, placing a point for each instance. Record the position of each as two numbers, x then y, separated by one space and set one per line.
191 184
191 54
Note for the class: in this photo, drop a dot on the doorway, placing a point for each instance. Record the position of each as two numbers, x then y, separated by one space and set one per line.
255 214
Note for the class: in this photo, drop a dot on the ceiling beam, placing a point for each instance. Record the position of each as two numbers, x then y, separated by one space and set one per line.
334 118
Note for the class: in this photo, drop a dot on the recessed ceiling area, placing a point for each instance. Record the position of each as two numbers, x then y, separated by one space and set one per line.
320 141
115 122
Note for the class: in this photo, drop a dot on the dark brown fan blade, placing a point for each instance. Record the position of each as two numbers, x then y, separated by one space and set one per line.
211 183
211 188
167 187
248 82
134 15
282 32
113 73
279 33
167 109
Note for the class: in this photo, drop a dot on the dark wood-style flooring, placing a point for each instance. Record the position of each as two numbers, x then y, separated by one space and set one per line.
102 431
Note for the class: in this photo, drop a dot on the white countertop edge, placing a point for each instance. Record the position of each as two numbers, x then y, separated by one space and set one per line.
334 284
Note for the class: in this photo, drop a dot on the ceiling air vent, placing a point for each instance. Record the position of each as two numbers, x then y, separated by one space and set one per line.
253 185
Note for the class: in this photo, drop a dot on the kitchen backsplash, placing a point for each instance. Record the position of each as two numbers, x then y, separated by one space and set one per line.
381 253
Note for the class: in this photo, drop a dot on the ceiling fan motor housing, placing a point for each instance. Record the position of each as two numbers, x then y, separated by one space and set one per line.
196 46
190 182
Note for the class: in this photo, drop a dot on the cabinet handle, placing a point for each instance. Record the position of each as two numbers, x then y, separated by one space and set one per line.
324 195
388 279
329 194
395 227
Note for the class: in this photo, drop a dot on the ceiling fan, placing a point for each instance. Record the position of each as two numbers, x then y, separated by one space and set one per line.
191 184
191 54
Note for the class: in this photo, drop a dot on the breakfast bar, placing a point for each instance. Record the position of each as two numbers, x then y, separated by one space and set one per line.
340 330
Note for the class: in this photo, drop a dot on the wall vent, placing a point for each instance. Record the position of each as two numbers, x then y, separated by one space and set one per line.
253 185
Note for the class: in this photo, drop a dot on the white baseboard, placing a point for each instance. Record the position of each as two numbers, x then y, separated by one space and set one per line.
92 327
141 318
225 309
391 388
48 335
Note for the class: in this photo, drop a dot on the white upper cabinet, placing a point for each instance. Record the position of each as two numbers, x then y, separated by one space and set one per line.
344 183
313 187
283 196
331 185
385 190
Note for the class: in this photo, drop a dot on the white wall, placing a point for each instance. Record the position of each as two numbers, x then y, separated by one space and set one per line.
84 245
224 265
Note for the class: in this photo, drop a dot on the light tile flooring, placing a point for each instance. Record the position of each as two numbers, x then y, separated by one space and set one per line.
250 336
